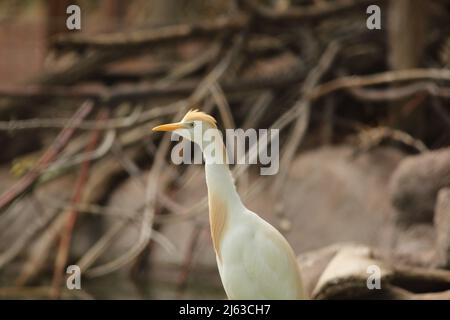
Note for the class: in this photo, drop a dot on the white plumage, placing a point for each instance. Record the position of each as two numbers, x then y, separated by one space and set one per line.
254 260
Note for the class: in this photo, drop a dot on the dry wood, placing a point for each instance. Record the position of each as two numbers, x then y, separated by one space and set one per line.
66 235
141 39
52 152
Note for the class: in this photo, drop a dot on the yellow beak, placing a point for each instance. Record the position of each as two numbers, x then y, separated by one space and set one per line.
169 127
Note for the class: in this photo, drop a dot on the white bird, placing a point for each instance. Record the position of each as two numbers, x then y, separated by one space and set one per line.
254 260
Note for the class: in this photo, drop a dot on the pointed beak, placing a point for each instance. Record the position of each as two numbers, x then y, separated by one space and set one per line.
168 127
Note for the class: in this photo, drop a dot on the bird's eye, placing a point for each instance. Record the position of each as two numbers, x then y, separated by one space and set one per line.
191 124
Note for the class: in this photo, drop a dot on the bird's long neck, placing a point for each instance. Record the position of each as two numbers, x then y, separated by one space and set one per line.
225 205
219 179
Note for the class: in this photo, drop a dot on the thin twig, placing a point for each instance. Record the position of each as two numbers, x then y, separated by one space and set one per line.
52 152
189 258
379 78
302 122
258 109
100 151
25 237
66 235
191 66
137 117
139 92
303 13
372 137
223 106
398 93
146 38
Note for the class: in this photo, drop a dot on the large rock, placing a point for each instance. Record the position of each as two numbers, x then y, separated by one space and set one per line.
442 227
415 185
358 272
332 196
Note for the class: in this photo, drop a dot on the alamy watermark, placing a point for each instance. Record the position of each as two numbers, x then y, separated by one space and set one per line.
74 279
374 20
239 146
374 279
73 21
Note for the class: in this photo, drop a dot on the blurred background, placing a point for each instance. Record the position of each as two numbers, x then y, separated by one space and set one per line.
364 116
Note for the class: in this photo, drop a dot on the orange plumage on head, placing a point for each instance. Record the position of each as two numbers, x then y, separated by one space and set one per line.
196 115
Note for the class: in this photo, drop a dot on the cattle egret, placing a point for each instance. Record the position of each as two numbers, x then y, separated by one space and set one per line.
254 260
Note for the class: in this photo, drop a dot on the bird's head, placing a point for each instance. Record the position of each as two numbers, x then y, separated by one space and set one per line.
192 127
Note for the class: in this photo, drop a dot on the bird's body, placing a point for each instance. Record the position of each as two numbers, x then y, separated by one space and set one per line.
257 262
254 260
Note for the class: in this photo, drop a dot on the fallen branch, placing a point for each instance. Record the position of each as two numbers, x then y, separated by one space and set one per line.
135 118
303 13
145 91
151 38
349 82
398 93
